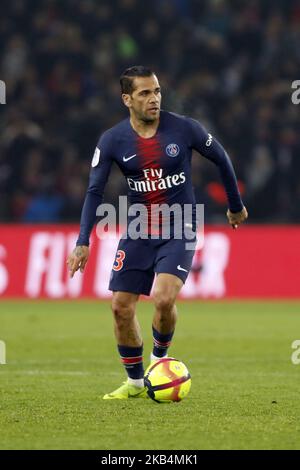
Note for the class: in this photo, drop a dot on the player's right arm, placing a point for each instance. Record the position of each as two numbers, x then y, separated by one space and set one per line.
100 169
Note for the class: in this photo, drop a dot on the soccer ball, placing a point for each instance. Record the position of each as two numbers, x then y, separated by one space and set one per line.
167 380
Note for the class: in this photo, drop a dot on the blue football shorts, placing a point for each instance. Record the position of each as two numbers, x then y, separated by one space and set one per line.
137 262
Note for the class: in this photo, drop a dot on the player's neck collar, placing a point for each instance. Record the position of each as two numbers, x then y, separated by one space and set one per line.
141 136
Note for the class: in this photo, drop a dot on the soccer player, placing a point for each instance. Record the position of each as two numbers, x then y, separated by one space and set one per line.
153 149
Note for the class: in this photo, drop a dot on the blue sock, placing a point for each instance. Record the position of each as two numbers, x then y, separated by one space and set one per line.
132 358
161 343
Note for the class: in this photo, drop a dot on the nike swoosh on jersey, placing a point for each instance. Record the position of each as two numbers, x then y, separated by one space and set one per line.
125 159
181 269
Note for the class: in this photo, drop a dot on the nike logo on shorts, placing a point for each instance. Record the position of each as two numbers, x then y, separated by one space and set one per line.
181 269
125 159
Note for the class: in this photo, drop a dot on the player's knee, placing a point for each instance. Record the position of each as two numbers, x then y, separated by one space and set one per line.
121 311
163 301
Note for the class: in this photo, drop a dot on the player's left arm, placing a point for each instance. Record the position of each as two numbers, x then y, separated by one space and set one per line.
211 149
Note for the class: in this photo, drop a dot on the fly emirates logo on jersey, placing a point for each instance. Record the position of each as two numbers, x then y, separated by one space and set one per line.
154 181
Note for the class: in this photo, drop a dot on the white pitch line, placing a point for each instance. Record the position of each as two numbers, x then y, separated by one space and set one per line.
50 372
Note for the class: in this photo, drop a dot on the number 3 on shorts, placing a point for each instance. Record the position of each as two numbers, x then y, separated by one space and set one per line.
118 264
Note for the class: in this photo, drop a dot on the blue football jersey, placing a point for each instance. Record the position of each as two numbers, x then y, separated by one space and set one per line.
157 169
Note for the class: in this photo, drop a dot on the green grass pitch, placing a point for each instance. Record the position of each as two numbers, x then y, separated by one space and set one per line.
61 357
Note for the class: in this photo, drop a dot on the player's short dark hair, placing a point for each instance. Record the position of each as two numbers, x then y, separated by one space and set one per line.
127 77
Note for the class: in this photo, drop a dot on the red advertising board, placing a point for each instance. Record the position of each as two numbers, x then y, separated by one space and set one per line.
251 262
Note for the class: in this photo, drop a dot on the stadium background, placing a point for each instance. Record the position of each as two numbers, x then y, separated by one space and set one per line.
229 64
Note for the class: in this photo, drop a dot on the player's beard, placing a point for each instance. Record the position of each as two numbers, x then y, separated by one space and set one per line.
149 119
145 118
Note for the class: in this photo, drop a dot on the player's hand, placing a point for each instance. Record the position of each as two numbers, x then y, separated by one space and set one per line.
78 259
235 219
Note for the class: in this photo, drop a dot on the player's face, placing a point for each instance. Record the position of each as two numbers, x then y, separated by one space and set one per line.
145 100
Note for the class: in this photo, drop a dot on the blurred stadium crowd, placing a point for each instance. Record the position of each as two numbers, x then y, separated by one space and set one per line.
229 64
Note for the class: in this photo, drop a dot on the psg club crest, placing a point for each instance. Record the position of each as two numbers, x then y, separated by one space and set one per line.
172 150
